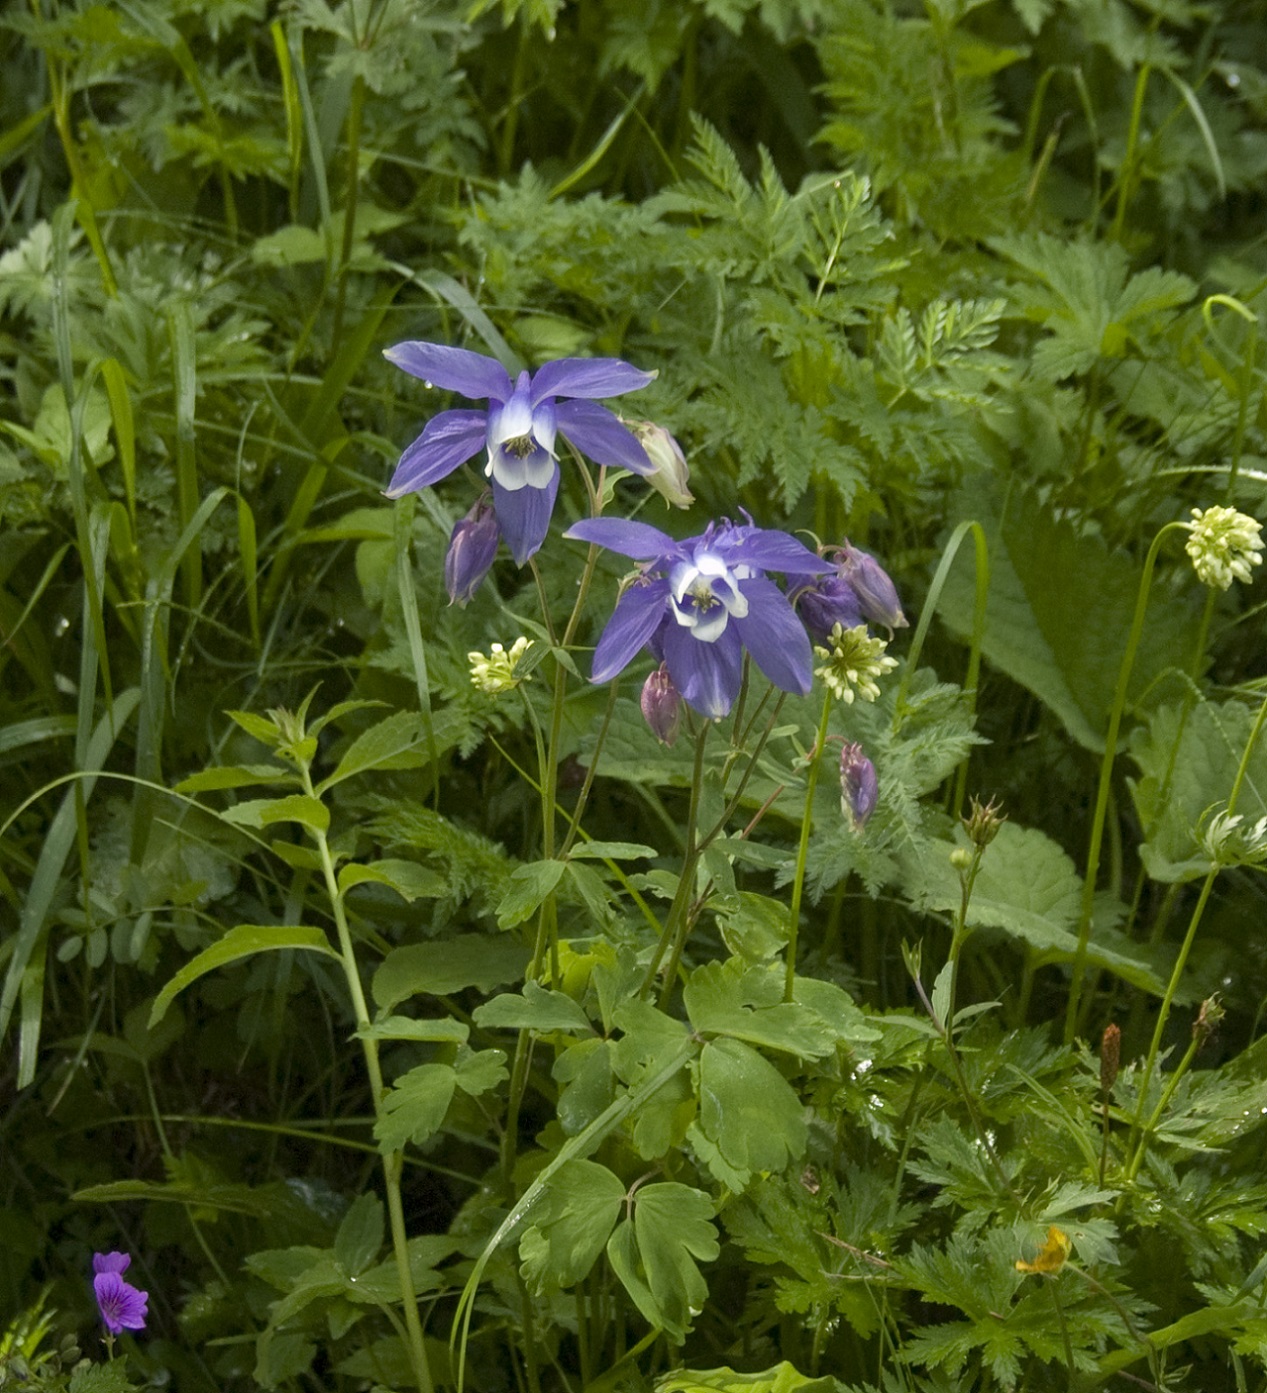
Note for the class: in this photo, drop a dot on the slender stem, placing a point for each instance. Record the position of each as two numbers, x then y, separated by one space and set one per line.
356 106
392 1160
1126 179
1106 780
677 916
802 850
1139 1135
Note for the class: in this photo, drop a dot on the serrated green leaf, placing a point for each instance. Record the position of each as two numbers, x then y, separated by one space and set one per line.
244 941
263 729
480 1071
393 743
415 1106
235 776
537 1009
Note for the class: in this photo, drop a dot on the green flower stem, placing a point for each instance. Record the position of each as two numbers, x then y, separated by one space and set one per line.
1140 1133
1106 780
802 850
674 930
393 1162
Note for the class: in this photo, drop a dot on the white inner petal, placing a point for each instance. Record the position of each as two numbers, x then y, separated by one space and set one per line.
514 472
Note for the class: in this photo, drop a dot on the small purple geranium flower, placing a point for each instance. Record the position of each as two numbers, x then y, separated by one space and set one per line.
699 603
518 429
122 1306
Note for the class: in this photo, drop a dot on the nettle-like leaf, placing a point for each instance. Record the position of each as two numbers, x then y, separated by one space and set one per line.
655 1254
1059 611
1188 757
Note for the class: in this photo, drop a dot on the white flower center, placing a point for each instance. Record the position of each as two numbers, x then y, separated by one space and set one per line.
705 594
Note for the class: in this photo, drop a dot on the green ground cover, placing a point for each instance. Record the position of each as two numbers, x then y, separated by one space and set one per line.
876 1007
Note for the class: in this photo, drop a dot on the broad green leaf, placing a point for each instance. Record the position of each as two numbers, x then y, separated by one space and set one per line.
244 941
261 727
415 1107
312 813
528 887
747 1109
360 1235
445 966
409 880
1065 641
1028 887
570 1226
536 1009
747 1002
1187 769
235 776
394 743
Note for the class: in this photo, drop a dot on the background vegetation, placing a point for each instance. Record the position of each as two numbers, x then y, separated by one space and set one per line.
900 267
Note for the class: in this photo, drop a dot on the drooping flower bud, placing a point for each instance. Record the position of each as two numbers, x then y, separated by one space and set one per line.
983 822
661 705
472 550
859 788
828 601
671 471
877 595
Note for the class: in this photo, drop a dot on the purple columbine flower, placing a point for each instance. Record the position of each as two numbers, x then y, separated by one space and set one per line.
698 604
518 429
472 551
122 1306
859 788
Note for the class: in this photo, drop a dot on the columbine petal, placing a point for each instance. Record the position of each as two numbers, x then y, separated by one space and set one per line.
707 674
454 369
638 540
524 515
775 637
597 433
770 550
447 440
587 377
638 613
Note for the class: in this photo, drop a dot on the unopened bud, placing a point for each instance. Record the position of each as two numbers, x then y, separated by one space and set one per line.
961 858
1208 1020
1110 1057
859 789
472 550
671 472
828 601
877 595
983 822
661 705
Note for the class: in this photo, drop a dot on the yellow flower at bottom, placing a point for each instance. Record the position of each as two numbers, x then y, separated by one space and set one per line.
1051 1257
853 662
499 671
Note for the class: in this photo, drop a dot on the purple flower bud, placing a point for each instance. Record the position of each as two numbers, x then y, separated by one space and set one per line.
877 595
472 549
661 705
829 601
858 787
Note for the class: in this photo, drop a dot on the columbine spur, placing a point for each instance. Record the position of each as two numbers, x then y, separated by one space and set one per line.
518 429
122 1306
697 604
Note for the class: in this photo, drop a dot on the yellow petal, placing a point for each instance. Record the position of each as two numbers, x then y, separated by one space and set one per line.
1051 1256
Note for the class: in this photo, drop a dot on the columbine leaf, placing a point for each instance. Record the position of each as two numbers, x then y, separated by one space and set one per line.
655 1255
748 1109
537 1009
443 967
571 1226
415 1107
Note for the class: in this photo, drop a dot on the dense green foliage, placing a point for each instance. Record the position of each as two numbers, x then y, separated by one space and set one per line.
296 922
